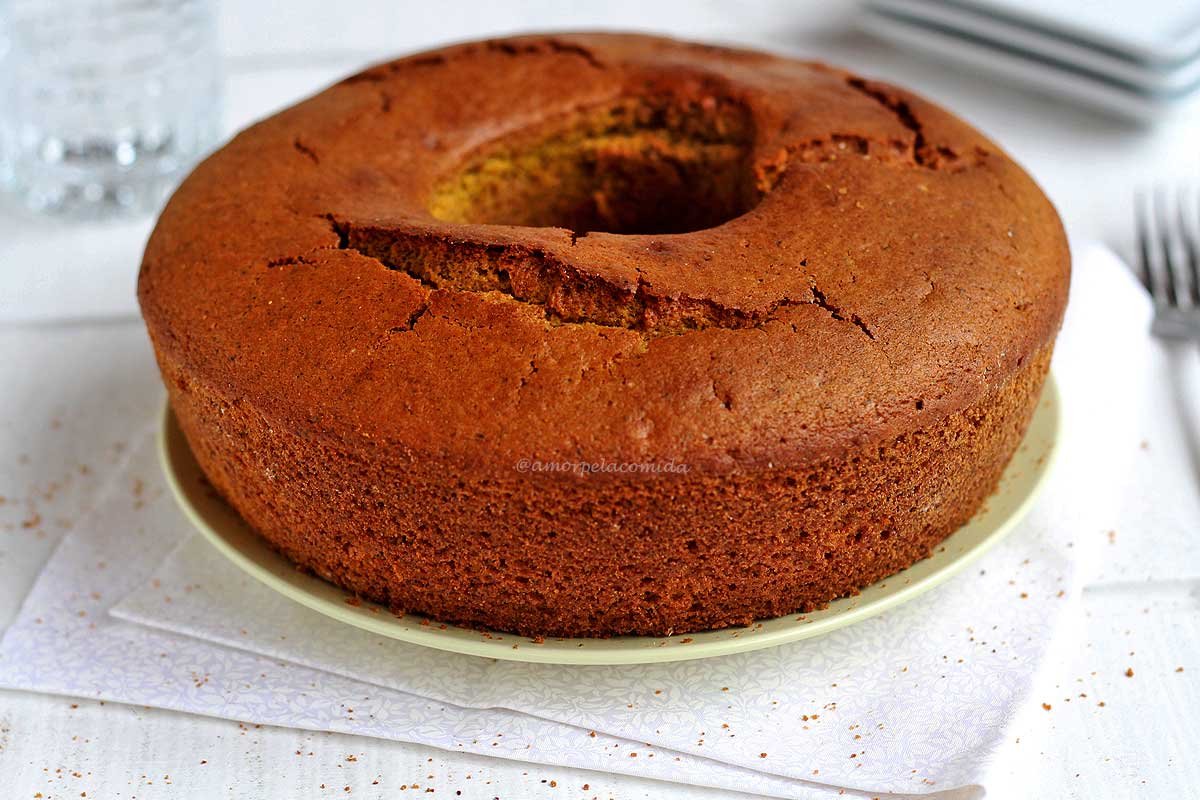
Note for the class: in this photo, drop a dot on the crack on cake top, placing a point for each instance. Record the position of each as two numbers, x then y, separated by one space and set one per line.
565 294
922 152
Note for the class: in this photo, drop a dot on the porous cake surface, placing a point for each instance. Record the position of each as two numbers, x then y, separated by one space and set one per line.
803 317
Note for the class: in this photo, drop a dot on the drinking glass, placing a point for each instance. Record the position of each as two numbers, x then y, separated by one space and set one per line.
105 104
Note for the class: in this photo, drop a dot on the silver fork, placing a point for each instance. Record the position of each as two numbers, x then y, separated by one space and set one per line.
1168 240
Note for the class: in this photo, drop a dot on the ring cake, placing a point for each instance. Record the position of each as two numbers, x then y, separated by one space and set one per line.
585 335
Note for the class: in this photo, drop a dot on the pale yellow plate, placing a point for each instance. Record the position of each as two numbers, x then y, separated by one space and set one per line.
225 529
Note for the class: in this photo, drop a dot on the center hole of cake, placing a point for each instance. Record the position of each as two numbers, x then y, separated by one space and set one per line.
639 167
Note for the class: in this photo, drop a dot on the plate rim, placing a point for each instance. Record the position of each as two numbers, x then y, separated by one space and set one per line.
425 632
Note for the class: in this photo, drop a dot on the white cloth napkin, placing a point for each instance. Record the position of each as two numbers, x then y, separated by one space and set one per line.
914 701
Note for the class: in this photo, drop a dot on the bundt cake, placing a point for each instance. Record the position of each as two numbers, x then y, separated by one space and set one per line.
598 334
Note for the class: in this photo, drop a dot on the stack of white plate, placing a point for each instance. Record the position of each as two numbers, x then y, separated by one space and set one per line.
1138 58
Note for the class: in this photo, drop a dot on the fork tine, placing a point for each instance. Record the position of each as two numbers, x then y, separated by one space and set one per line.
1191 248
1142 225
1163 223
1168 243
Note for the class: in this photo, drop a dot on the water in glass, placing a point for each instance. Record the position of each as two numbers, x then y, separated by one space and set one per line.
104 104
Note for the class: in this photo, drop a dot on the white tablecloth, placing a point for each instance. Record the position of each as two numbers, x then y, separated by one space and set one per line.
72 365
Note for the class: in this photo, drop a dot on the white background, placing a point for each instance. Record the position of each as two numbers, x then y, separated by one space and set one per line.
1090 165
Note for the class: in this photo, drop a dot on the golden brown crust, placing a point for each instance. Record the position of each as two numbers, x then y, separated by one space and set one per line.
367 318
574 555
